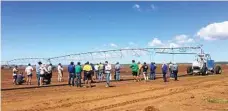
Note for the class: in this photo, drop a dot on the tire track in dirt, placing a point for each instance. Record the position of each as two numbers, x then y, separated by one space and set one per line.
69 104
148 98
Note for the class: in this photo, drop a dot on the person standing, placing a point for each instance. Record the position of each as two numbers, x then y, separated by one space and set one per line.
92 72
134 67
71 71
117 71
101 72
96 67
140 70
15 71
175 71
164 71
50 68
152 71
78 71
145 68
60 72
29 70
108 69
43 70
38 72
170 70
87 74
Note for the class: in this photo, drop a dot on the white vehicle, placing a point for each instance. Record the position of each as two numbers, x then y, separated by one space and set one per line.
204 65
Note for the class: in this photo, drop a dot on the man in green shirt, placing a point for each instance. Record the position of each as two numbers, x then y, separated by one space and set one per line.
78 71
134 67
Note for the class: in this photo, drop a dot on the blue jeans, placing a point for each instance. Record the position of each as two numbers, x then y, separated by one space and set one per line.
38 78
117 75
152 76
175 74
71 79
164 77
78 78
108 78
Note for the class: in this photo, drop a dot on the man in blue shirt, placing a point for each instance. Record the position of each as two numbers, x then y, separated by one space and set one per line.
164 71
152 71
71 70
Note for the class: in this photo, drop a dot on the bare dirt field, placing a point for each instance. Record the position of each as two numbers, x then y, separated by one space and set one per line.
190 93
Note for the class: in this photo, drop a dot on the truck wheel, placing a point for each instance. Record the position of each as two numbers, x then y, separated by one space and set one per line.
189 70
218 70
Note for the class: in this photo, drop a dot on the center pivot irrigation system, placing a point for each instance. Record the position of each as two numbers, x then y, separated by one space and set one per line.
97 56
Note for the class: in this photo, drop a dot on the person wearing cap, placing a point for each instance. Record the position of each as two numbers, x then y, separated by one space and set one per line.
152 71
71 71
38 72
78 71
15 71
134 67
108 69
175 71
29 70
117 71
50 68
87 74
60 72
164 71
145 68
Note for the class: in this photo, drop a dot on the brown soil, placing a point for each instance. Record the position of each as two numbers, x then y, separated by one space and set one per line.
190 93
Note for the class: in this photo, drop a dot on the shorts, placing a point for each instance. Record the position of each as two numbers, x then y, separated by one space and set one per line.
30 75
134 73
87 75
42 75
144 72
14 76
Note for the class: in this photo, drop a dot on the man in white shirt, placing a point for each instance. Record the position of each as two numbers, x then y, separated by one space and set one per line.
108 69
15 71
43 70
28 71
96 67
49 73
60 72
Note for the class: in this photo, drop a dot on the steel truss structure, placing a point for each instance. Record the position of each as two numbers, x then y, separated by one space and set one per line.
106 55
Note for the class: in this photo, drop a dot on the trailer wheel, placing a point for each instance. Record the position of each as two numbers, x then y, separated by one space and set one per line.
218 70
189 70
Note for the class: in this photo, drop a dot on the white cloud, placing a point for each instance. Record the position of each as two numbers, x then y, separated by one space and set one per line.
113 45
183 39
155 42
137 7
214 31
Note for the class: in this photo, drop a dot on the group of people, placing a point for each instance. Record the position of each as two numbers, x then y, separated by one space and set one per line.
93 72
138 68
42 72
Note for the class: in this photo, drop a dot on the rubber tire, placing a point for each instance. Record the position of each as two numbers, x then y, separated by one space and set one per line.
218 70
189 70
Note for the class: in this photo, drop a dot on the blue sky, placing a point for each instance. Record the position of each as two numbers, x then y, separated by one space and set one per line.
46 29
